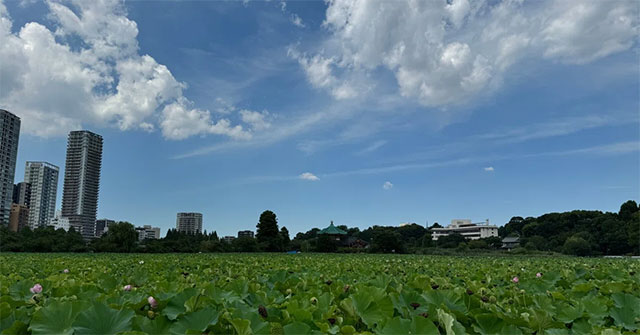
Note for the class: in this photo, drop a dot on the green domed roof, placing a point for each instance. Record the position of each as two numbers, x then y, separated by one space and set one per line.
332 230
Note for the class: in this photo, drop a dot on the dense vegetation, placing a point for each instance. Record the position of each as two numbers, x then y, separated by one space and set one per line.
582 233
316 294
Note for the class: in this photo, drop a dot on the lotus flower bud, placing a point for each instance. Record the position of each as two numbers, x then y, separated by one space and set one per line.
515 280
65 270
37 288
152 302
538 275
128 288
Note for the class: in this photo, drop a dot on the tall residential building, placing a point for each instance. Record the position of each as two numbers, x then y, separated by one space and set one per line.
19 217
43 178
82 181
9 134
189 223
102 226
22 193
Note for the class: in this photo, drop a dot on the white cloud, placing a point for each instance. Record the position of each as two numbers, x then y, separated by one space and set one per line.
257 120
387 185
88 71
179 121
449 52
297 21
308 176
489 169
319 72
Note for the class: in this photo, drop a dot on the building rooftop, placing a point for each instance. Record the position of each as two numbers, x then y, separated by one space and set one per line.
332 230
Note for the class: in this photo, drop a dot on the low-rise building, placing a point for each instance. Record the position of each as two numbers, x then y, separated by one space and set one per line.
147 232
19 217
510 242
59 222
466 228
102 226
228 239
245 233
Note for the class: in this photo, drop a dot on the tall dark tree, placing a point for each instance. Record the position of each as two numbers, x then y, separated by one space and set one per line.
267 233
284 237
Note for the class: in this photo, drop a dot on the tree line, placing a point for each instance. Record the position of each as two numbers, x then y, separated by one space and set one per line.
582 233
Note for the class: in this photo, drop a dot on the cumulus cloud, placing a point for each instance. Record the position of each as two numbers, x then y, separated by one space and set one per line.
257 120
489 169
88 71
448 52
319 72
308 176
387 185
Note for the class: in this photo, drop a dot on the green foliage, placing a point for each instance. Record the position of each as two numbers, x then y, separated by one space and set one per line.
604 233
317 294
267 233
121 237
577 246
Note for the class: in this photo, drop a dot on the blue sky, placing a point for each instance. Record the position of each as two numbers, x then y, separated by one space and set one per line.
359 112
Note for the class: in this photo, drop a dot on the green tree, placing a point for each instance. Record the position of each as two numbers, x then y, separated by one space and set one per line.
450 241
386 240
284 237
121 237
267 233
627 209
326 243
577 246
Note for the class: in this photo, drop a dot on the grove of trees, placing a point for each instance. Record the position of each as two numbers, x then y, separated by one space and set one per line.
581 233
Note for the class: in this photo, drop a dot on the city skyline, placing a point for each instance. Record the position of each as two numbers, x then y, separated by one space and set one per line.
228 109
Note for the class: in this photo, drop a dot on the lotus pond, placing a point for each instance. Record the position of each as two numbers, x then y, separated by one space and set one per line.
316 294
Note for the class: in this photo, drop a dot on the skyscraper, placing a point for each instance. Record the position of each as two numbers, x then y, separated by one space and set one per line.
82 181
43 178
22 193
9 134
189 223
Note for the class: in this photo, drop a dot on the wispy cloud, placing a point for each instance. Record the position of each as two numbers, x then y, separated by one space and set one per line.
608 149
387 185
554 128
373 147
308 176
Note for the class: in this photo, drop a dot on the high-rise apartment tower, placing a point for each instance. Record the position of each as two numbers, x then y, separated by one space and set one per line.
43 178
9 135
82 181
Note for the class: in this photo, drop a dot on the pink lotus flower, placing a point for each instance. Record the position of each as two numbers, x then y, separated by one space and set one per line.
152 302
127 288
65 270
515 280
37 288
538 275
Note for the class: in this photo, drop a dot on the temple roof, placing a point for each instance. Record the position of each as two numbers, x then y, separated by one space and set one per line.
332 230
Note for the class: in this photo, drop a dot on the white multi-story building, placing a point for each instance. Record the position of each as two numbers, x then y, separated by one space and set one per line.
190 223
147 232
464 227
58 222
